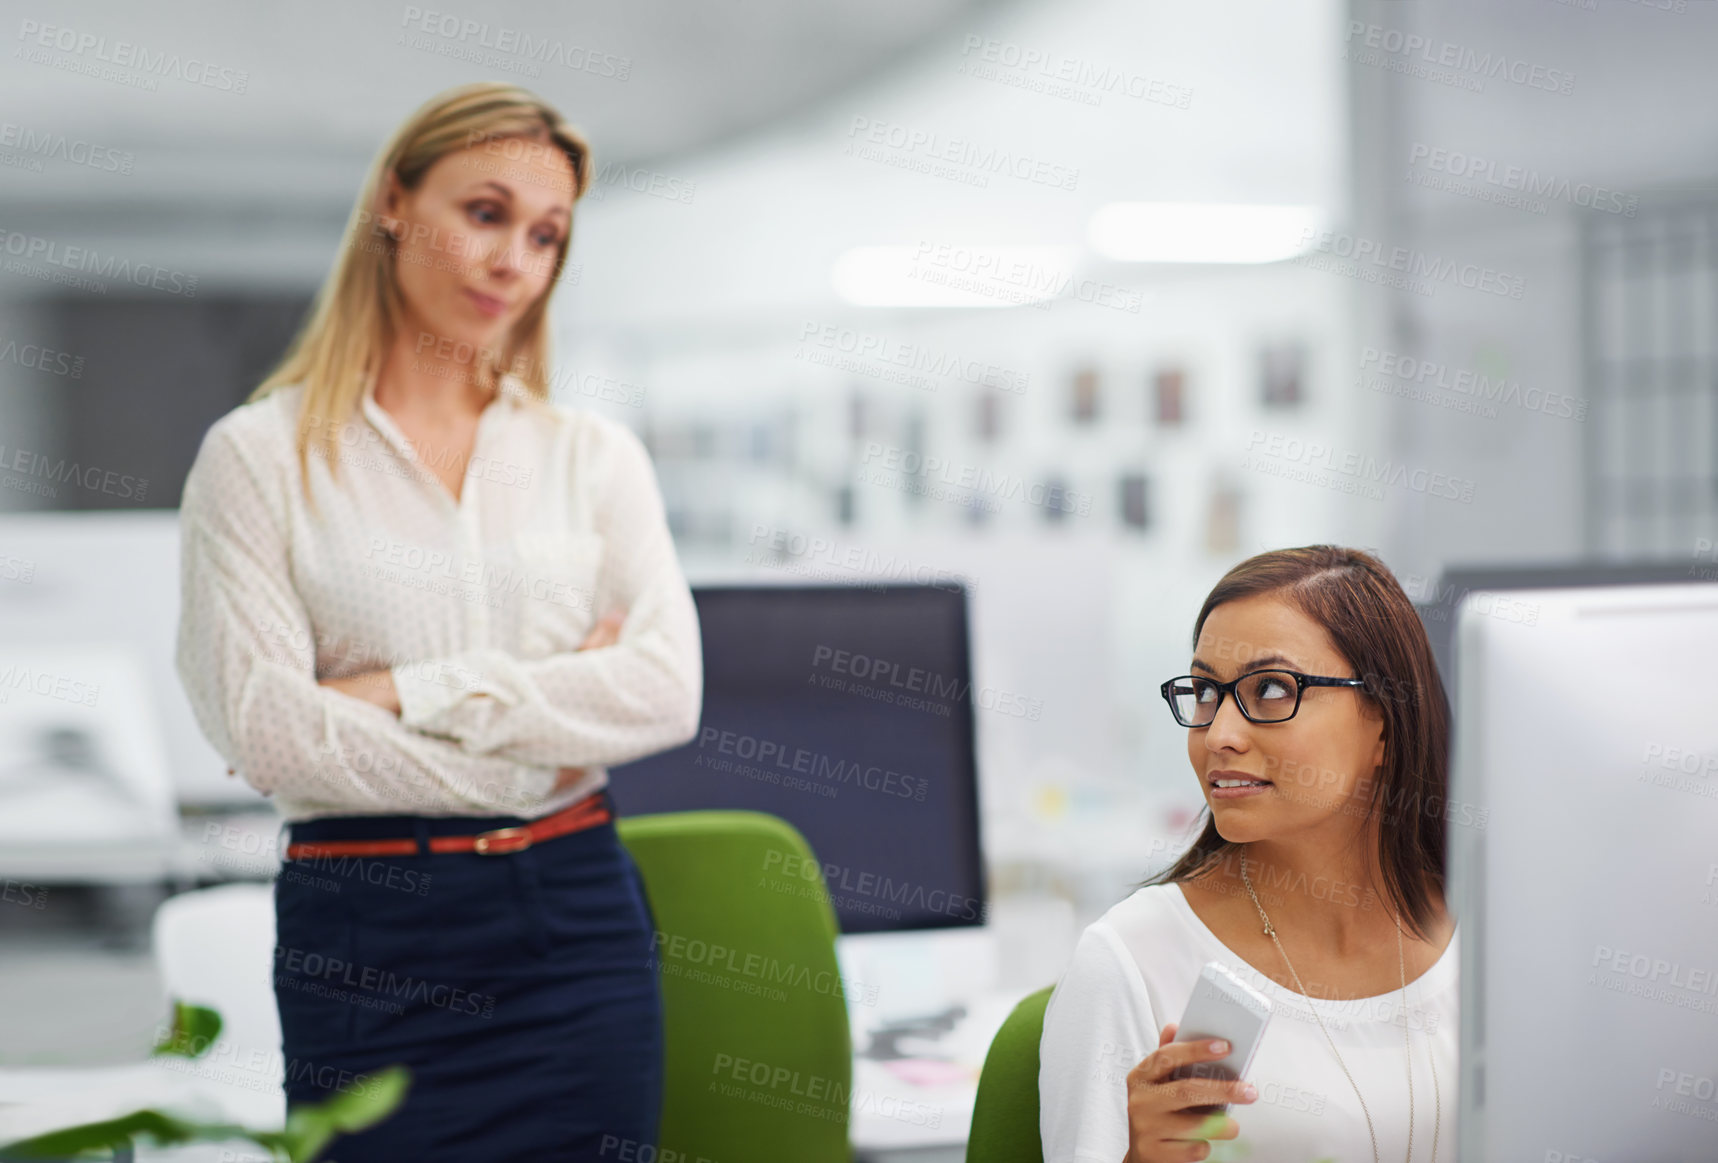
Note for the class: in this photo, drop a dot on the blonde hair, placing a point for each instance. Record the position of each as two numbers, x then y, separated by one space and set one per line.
356 314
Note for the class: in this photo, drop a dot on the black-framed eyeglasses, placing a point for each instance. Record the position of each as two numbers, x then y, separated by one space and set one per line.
1264 696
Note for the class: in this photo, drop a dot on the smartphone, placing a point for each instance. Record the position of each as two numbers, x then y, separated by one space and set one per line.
1222 1006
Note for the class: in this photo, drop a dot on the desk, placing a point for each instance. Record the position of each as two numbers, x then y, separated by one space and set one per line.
920 1109
939 998
913 1087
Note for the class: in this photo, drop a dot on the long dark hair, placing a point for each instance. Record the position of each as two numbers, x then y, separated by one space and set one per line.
1374 626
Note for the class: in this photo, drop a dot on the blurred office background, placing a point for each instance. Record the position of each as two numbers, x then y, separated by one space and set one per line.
1078 303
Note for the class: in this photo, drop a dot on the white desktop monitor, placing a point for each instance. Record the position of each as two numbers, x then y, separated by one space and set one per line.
110 579
1585 875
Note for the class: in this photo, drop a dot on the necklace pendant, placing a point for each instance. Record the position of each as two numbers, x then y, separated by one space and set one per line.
1269 932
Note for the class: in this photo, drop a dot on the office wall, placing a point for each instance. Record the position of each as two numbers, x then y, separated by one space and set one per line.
31 383
1612 120
799 434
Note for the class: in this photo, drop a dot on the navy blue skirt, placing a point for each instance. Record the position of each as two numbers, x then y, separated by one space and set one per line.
519 989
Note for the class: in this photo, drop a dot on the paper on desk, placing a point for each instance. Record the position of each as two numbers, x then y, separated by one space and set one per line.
931 1071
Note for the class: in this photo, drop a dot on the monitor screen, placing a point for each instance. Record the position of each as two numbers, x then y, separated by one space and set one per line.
847 711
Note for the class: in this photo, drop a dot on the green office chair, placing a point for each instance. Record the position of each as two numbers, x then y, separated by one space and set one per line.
759 1060
1005 1114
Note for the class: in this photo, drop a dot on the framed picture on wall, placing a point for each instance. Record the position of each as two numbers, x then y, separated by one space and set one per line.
1083 402
1057 501
858 414
987 414
1168 390
1223 519
760 442
913 453
1134 513
1282 369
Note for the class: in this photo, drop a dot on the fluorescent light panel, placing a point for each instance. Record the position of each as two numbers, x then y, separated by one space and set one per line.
1202 232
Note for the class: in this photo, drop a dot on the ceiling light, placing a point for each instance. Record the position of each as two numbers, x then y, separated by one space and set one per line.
1213 232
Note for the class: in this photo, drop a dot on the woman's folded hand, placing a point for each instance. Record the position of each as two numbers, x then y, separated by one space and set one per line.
606 632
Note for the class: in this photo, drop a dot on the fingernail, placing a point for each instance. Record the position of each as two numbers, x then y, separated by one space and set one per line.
1219 1047
1250 1092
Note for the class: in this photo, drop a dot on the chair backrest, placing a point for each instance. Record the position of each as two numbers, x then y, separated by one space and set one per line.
1005 1113
759 1058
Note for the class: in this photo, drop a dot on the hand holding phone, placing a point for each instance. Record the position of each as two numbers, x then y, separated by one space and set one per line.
1162 1122
1223 1006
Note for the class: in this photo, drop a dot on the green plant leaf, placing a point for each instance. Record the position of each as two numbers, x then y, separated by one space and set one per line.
309 1129
123 1131
193 1030
357 1107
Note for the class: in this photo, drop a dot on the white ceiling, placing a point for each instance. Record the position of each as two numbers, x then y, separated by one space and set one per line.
327 80
757 107
1264 125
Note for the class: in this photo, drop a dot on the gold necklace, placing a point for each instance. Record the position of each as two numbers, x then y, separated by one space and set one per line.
1402 966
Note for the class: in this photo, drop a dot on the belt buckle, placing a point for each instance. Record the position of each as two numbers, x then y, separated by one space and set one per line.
502 841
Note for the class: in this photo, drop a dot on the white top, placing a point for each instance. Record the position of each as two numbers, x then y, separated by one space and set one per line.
477 605
1133 972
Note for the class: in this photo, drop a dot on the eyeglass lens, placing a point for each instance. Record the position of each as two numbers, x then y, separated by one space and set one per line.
1268 696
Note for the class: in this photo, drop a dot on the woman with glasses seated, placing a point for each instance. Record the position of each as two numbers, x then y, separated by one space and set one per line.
1318 730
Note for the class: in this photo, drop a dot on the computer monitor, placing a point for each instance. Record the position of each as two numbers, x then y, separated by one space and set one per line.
1437 609
846 710
111 579
1585 877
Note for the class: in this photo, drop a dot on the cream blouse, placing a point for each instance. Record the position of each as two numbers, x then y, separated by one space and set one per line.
477 606
1133 972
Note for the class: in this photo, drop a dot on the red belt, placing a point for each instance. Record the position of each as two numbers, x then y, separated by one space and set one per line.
587 813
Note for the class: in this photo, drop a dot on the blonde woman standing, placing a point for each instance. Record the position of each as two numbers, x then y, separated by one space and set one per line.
424 609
